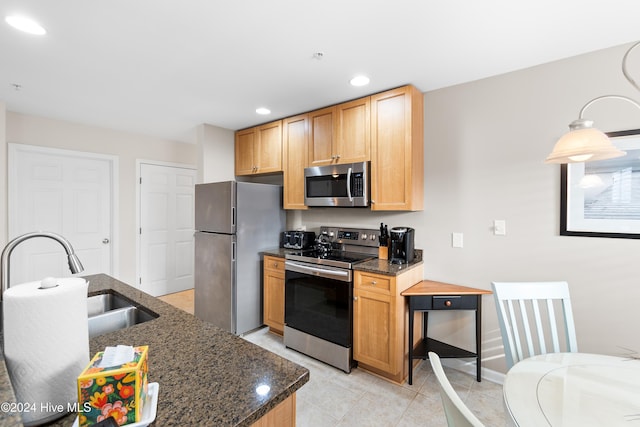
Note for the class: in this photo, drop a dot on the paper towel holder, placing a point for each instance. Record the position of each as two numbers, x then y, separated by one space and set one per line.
74 262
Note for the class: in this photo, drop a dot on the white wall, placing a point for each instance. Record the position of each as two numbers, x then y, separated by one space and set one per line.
215 153
485 143
24 129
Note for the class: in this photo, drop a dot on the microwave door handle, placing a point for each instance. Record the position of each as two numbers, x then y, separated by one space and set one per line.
349 184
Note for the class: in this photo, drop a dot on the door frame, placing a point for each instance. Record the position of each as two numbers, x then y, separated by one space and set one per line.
139 163
111 160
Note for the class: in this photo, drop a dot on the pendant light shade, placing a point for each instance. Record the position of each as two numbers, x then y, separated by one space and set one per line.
583 143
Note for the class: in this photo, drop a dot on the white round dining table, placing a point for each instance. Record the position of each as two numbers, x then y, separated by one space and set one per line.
574 389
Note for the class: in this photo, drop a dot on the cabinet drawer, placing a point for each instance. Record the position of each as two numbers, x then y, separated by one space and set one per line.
273 263
445 302
374 283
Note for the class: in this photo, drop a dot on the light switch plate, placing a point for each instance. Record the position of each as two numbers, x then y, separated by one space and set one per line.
456 240
499 227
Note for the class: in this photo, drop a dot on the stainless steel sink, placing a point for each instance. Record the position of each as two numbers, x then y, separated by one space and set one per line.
111 312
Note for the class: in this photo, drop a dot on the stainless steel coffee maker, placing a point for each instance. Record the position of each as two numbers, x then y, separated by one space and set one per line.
401 245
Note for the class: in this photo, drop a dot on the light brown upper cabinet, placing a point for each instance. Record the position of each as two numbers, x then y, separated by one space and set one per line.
397 147
340 133
295 149
259 149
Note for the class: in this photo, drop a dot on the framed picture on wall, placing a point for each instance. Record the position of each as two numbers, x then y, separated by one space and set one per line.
602 198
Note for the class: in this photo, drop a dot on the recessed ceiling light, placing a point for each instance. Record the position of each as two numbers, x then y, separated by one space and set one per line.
263 111
359 81
25 24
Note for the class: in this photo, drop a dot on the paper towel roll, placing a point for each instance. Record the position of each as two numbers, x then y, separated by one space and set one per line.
46 345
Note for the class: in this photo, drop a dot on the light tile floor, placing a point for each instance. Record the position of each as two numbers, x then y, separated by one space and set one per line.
334 398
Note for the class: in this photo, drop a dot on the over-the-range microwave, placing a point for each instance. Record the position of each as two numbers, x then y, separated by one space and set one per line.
345 185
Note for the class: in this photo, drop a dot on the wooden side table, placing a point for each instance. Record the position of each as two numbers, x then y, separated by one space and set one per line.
429 296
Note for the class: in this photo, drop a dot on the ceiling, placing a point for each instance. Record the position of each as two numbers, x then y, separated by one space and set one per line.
161 67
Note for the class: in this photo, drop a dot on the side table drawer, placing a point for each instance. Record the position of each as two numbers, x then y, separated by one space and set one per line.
455 302
444 302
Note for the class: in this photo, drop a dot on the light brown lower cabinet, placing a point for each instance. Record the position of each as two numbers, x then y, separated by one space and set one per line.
273 294
283 415
380 322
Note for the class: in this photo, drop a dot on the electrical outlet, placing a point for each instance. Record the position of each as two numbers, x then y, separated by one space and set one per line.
456 240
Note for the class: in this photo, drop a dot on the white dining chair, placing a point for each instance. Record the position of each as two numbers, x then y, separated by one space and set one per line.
457 413
532 316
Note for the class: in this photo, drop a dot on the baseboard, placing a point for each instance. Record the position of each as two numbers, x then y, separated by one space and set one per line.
469 367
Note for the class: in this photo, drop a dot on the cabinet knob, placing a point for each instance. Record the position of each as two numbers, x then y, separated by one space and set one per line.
275 264
333 157
338 157
373 282
447 303
355 298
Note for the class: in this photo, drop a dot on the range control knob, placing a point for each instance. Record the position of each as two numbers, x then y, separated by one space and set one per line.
364 236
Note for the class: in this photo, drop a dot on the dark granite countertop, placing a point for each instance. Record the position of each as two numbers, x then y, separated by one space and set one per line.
379 266
383 266
206 376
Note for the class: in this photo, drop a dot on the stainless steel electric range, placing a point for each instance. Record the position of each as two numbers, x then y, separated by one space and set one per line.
319 294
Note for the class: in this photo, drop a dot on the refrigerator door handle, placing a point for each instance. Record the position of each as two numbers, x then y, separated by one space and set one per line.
233 251
233 218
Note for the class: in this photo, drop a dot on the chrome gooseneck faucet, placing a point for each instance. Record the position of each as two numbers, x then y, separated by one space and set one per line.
74 263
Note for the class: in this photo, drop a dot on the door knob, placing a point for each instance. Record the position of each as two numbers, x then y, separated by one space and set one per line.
105 241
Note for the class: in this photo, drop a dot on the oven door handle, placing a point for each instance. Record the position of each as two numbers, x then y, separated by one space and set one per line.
342 275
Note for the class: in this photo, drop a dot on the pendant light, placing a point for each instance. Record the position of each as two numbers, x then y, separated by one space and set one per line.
583 142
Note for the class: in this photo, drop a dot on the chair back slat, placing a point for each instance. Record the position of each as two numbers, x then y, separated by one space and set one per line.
539 328
530 315
512 334
554 328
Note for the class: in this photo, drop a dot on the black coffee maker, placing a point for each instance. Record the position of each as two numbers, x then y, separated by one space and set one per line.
401 245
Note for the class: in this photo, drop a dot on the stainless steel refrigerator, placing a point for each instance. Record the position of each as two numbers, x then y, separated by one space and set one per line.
234 222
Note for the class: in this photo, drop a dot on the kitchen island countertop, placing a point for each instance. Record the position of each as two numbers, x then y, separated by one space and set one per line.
206 376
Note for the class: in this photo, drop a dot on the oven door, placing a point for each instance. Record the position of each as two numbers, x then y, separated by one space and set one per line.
319 301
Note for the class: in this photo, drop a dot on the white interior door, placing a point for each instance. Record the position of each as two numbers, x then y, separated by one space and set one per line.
66 192
166 228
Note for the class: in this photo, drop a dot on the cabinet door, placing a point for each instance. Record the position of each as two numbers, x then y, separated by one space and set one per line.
374 330
353 130
273 295
397 139
322 136
268 156
244 151
295 156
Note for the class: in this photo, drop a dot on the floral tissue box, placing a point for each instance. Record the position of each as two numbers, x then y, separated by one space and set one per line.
116 391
